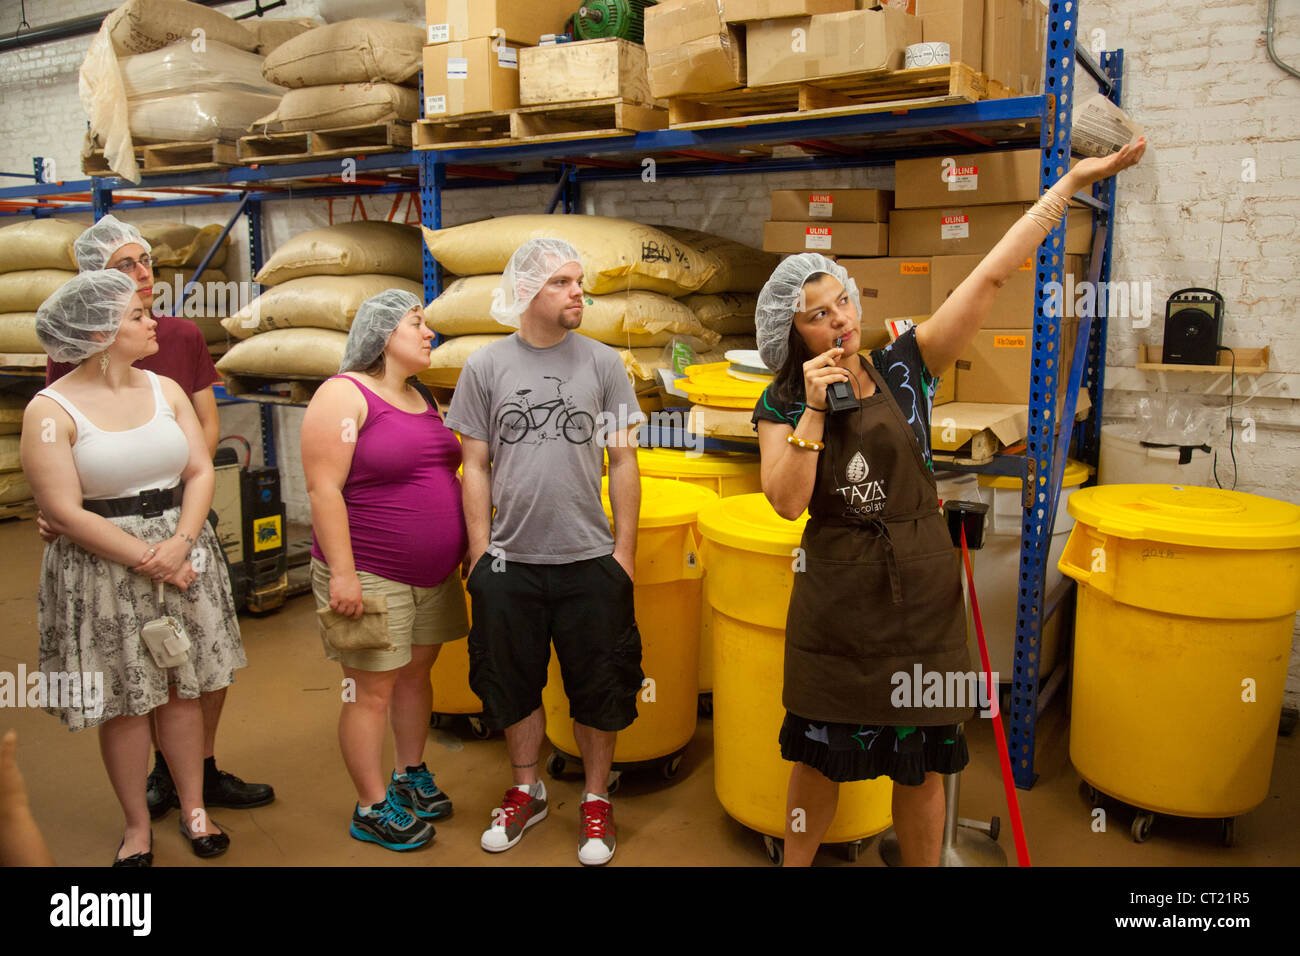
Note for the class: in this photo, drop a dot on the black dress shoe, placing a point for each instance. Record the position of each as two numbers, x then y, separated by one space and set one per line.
135 859
160 792
206 847
226 790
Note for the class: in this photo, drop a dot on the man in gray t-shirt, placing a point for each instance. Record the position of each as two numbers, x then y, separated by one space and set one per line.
536 412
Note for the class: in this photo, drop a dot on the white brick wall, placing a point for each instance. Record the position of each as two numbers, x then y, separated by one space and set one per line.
1197 77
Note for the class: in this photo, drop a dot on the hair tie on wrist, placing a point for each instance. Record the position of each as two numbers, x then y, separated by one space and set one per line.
814 408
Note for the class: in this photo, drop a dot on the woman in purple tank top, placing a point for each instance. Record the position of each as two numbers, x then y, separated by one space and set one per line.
387 528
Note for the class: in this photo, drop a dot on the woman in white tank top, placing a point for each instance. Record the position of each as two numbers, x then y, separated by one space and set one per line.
107 433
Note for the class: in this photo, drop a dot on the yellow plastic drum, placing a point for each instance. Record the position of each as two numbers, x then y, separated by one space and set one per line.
1186 604
749 553
726 473
450 679
667 595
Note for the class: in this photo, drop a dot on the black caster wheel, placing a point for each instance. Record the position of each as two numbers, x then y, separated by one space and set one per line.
555 765
479 729
670 766
1093 794
775 850
995 827
852 850
1141 828
437 721
1228 831
705 706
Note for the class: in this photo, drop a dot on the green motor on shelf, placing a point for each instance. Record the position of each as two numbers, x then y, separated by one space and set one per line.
598 19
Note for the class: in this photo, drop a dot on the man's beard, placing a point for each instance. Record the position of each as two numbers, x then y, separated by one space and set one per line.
570 320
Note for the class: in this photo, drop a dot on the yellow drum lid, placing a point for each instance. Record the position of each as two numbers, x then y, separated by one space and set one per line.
690 464
664 502
1076 473
1199 517
749 522
711 384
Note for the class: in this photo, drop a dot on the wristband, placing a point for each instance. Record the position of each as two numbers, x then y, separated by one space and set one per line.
814 408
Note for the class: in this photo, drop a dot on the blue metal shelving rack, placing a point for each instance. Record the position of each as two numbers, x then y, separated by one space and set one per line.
1019 122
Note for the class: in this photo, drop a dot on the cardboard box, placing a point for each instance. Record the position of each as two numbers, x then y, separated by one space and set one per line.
1033 40
958 23
831 205
973 230
520 23
972 179
995 367
1002 51
832 239
903 6
947 390
1014 306
587 70
691 49
470 77
889 287
741 11
833 44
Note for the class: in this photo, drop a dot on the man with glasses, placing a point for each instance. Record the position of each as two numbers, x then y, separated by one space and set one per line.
182 356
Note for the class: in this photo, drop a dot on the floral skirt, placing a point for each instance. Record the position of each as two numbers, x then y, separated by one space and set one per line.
844 752
90 613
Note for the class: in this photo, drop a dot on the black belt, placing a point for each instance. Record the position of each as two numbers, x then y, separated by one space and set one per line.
147 504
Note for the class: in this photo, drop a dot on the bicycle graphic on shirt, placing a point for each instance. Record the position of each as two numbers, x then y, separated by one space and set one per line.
520 418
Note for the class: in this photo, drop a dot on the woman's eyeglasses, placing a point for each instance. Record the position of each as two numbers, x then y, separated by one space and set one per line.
128 265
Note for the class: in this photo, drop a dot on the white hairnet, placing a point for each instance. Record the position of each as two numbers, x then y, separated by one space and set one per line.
782 296
527 271
94 247
88 305
373 326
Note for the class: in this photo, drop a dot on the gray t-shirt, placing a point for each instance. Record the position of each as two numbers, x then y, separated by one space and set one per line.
546 415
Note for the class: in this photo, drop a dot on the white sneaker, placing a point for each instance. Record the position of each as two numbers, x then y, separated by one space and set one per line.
596 831
520 809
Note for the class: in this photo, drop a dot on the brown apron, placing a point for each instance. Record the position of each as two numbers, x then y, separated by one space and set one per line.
881 590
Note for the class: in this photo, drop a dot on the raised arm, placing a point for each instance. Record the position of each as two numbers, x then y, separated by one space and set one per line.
952 328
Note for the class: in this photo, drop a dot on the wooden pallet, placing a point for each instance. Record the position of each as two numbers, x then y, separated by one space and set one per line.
549 122
883 90
278 390
324 144
18 509
170 158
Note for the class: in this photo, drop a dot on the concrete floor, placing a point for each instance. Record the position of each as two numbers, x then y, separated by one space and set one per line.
279 727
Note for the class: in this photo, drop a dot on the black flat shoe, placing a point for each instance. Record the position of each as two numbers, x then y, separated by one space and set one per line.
206 847
135 859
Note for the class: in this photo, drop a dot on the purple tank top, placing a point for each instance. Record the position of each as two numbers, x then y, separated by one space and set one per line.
404 506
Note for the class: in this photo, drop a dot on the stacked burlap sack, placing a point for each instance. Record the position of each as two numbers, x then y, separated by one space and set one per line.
352 73
648 288
35 259
177 248
297 327
169 70
13 486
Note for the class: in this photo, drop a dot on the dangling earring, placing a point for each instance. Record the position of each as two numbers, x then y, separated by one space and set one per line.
103 363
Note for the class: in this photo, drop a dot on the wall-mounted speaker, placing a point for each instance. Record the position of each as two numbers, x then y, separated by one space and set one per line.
1193 327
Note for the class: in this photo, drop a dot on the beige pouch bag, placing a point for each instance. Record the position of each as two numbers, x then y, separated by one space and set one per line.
370 633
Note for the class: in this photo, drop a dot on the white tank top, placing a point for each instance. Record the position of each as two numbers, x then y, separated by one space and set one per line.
114 464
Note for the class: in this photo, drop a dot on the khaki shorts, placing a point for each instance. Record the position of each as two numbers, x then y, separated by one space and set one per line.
416 615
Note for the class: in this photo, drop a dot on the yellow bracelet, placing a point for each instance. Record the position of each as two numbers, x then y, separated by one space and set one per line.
805 443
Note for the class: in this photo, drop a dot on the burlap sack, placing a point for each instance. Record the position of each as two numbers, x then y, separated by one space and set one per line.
272 33
727 313
293 353
449 358
198 117
14 487
322 302
9 456
24 291
738 267
617 255
18 334
182 245
339 105
624 318
39 244
369 633
354 51
642 364
139 26
218 295
349 248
